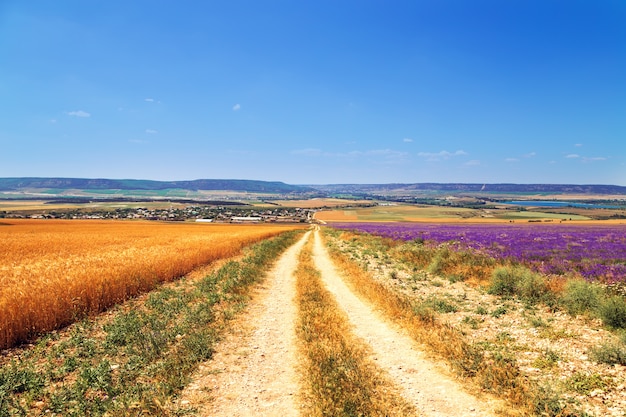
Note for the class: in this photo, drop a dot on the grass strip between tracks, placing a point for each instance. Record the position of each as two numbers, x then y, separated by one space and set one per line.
136 359
340 378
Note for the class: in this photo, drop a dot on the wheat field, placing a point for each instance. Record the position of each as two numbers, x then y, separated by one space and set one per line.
55 272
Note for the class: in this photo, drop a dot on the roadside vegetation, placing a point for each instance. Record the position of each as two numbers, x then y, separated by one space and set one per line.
340 378
135 359
547 345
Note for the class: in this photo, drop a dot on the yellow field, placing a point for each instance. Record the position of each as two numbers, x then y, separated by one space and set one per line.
320 202
52 272
415 213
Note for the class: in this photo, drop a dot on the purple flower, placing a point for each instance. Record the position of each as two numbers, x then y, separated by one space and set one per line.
596 252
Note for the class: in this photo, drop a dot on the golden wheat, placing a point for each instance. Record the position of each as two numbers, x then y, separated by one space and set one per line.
53 272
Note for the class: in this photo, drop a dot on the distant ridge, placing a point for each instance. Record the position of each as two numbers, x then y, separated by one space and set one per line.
23 183
476 188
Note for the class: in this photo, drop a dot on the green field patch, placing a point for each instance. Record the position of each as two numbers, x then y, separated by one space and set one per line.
526 215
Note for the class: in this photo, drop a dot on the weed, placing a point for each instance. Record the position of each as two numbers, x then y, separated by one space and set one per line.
440 305
612 311
584 383
453 278
537 322
580 297
481 310
504 282
499 311
419 276
612 353
438 263
548 359
504 337
518 281
472 322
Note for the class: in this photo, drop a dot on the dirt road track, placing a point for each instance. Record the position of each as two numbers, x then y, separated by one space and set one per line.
254 371
429 388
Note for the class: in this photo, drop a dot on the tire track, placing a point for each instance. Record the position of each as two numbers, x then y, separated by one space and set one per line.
431 390
254 370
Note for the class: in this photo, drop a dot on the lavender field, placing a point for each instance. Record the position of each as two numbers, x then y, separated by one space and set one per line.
596 252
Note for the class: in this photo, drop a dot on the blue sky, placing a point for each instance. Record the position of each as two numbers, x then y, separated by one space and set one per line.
315 92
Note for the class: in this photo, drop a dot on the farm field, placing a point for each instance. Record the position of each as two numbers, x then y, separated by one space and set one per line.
37 206
320 202
595 252
414 213
53 272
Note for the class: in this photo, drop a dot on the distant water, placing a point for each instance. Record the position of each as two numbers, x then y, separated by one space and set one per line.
541 203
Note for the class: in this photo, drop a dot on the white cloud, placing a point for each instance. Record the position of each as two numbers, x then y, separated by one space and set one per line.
572 156
407 140
237 107
578 145
138 141
472 163
530 154
149 100
53 121
438 156
78 113
151 131
594 159
512 160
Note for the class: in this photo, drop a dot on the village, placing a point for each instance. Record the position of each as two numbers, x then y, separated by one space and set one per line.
198 213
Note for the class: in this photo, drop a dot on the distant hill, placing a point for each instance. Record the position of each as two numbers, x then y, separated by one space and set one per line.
99 186
474 188
253 186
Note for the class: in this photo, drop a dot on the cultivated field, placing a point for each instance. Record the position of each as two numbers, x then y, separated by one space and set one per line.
54 272
415 213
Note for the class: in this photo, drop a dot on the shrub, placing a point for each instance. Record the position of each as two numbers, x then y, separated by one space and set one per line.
440 305
585 383
518 281
438 264
612 311
580 297
504 281
532 287
548 359
611 353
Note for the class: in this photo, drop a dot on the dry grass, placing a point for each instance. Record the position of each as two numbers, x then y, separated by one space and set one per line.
54 272
341 379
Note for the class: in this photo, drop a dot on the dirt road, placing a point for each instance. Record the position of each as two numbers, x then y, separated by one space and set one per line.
255 369
432 390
